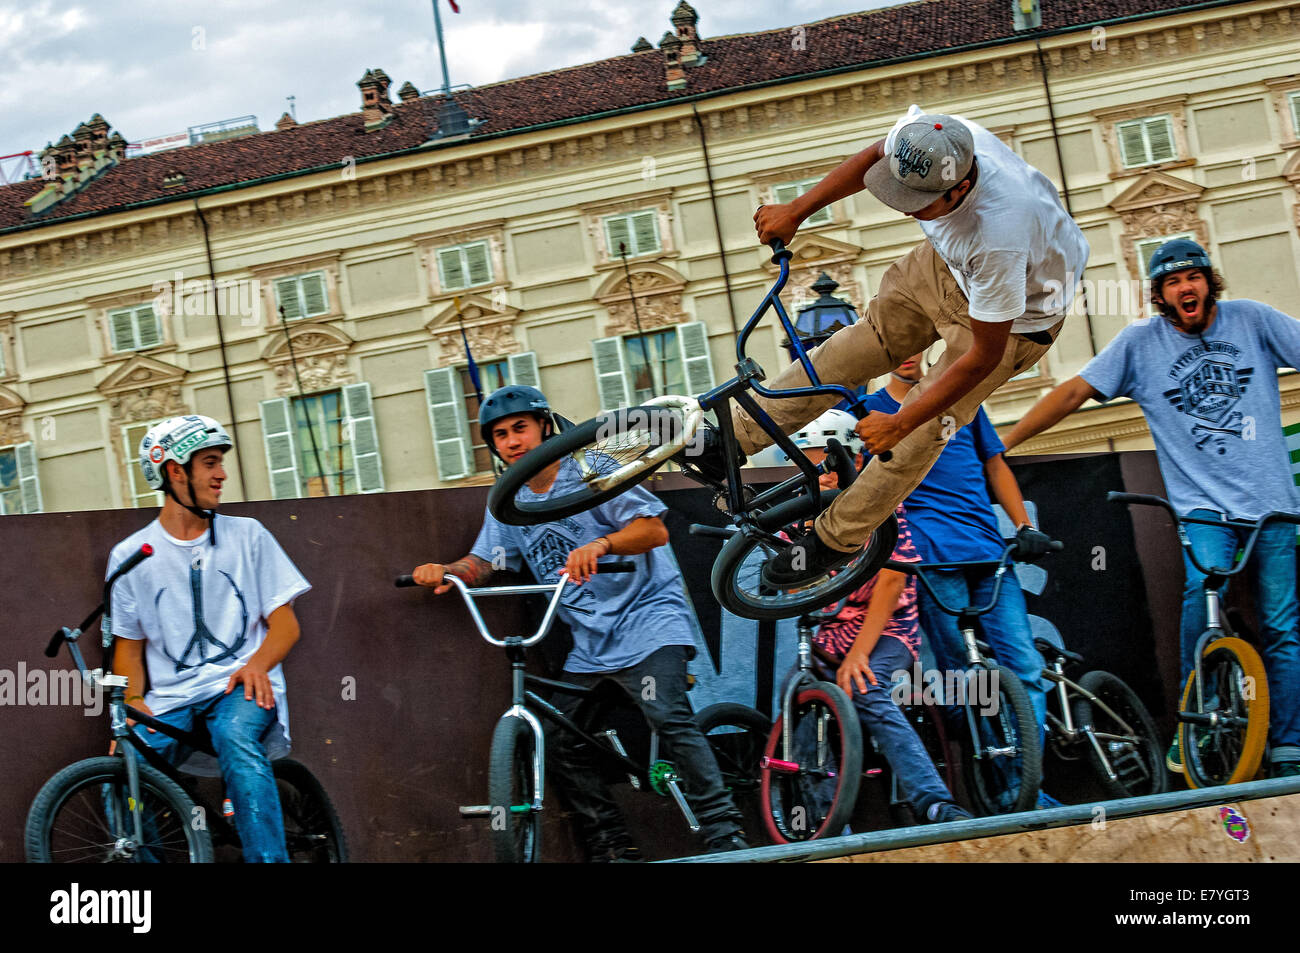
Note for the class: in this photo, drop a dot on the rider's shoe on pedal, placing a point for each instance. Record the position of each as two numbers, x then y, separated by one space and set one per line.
806 558
1286 769
728 842
943 811
616 854
1174 756
708 455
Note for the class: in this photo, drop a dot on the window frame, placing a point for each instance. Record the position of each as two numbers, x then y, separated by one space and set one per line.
135 311
823 216
462 249
1144 121
611 246
297 279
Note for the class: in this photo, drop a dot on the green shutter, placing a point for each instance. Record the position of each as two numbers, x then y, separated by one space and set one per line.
785 194
523 369
281 454
122 331
645 231
25 457
618 231
359 421
1132 144
315 299
697 362
478 264
451 270
286 297
1160 135
447 420
148 329
611 376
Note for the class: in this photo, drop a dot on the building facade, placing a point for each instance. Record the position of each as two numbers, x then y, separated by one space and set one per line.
313 286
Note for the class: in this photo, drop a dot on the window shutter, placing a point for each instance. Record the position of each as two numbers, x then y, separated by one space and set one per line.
286 296
25 457
1132 144
616 231
697 362
1295 115
281 454
121 327
477 264
315 298
611 376
523 369
149 334
451 444
364 438
1160 134
646 232
451 272
785 194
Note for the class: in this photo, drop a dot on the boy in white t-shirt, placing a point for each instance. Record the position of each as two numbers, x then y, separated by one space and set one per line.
212 620
993 280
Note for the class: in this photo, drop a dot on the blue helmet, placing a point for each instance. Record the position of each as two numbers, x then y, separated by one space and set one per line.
514 399
1175 255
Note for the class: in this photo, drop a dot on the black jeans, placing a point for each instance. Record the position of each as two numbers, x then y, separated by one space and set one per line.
658 686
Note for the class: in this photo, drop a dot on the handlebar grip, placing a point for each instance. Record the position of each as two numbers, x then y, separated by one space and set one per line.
1056 545
777 246
717 532
859 410
402 582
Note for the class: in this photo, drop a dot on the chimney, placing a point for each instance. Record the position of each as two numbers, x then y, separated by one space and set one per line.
98 126
82 135
376 107
285 122
684 20
116 147
65 156
676 76
408 92
641 45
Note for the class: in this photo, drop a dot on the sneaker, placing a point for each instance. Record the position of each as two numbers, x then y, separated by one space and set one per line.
709 457
945 811
1046 801
1174 756
1286 769
727 842
813 558
621 854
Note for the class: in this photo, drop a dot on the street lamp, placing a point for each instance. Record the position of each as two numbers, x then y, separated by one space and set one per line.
816 322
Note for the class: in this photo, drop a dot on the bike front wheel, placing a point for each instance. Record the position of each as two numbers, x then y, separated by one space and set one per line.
737 573
1236 691
1003 757
512 788
1134 762
83 815
737 735
812 793
598 460
312 832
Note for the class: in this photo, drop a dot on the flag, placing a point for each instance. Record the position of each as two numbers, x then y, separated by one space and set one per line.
469 355
454 8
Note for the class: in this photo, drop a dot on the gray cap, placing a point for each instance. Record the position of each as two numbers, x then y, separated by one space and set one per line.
926 158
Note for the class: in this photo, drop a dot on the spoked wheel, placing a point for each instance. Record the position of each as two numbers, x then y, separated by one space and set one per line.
738 736
1134 761
1236 697
812 794
312 832
512 782
737 572
598 460
83 815
1004 759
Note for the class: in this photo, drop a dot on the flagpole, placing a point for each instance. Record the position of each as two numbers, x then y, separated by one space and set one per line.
442 52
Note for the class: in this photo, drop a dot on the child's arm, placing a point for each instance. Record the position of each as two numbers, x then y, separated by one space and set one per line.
884 600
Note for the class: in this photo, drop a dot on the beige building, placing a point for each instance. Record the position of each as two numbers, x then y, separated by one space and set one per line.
136 288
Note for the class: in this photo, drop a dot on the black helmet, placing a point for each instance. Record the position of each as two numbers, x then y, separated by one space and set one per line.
1175 255
514 399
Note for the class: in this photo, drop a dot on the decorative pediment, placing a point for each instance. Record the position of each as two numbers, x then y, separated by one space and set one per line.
654 289
318 358
142 388
11 418
1156 188
139 372
1157 205
489 326
810 256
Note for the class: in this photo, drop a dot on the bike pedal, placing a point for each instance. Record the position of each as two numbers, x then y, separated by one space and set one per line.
476 810
780 767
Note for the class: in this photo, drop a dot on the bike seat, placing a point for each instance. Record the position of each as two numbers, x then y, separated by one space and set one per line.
1052 652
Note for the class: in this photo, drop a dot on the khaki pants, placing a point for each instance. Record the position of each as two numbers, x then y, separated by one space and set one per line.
919 303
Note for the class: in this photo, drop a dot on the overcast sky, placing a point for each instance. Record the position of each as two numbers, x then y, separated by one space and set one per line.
155 67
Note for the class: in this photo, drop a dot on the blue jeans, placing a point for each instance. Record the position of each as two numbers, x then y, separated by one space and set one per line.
1005 627
1275 604
896 739
237 728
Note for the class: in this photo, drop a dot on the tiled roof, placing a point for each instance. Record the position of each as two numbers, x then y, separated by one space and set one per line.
623 82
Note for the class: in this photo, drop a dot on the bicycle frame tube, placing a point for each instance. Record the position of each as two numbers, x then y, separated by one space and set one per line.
551 713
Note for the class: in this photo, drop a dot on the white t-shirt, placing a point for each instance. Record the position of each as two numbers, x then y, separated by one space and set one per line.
203 610
1014 250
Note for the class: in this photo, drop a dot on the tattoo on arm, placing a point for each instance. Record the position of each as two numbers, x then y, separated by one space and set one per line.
471 570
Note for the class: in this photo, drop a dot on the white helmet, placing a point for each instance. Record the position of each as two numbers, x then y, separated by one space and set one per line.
178 438
839 424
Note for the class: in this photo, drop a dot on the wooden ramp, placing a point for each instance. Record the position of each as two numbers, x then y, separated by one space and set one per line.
1244 823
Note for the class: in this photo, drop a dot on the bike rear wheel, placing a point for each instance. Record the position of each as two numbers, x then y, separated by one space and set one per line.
608 454
1236 688
737 572
312 832
1004 760
82 815
738 736
512 784
1126 734
813 794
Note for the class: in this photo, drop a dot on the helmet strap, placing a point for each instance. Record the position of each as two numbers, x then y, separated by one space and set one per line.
192 506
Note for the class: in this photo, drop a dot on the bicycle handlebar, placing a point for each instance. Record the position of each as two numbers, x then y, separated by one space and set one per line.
919 569
139 556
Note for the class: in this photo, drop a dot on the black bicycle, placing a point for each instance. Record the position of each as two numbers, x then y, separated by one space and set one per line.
614 451
517 761
134 807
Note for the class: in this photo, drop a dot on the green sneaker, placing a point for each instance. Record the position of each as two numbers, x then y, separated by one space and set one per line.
1286 769
1174 756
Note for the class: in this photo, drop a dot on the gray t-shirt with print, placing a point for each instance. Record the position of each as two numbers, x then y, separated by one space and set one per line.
1211 401
617 619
